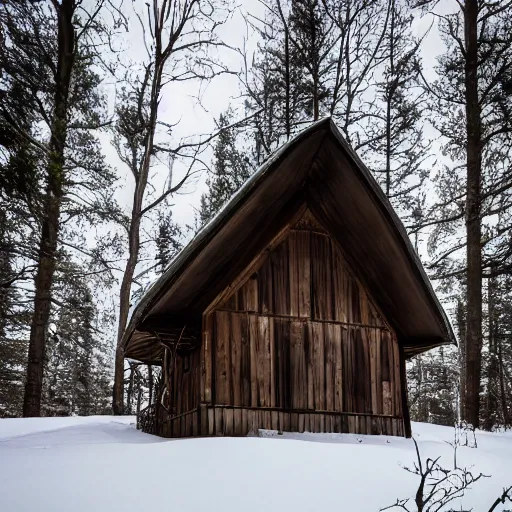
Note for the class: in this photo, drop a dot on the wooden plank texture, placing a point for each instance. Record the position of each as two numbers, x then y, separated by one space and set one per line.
299 334
321 277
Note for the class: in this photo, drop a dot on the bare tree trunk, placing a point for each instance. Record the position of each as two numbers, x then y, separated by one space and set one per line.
461 327
316 106
491 403
50 222
473 220
124 300
141 174
503 394
129 393
134 231
388 100
169 22
287 109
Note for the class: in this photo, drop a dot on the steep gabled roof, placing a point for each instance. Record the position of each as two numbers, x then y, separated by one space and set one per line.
319 168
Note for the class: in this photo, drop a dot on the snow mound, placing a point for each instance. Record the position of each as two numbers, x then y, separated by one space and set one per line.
104 464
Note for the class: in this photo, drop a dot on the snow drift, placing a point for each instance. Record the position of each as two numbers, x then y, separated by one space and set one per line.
104 464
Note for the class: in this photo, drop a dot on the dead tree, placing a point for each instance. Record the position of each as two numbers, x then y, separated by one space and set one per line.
437 487
173 31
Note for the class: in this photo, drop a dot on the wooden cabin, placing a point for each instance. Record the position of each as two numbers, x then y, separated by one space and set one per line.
295 309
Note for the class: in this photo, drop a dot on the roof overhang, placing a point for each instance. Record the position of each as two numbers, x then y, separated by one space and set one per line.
317 167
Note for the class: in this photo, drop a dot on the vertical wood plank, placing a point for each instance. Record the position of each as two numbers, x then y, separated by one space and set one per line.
251 423
373 369
253 342
389 374
378 370
301 423
206 359
280 279
236 359
282 363
321 422
307 427
274 362
263 350
337 424
318 365
321 280
281 421
303 248
219 427
228 422
348 369
195 424
310 360
211 421
293 266
330 338
231 303
294 422
397 402
386 398
203 420
241 298
245 360
363 378
286 418
222 356
252 293
237 422
339 280
265 288
338 368
355 302
298 369
245 425
275 420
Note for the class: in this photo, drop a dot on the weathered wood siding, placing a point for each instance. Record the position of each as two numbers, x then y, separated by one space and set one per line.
185 385
302 334
263 361
240 421
176 414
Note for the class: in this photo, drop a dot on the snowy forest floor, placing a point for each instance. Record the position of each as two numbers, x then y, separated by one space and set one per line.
103 463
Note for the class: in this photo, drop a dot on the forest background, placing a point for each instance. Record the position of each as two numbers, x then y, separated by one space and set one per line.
125 126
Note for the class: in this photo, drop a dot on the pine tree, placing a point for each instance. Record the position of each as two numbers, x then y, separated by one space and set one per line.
13 316
78 359
273 84
169 240
316 58
433 381
397 149
313 38
52 110
230 171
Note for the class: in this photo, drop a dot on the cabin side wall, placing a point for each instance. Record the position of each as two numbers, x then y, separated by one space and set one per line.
300 346
177 412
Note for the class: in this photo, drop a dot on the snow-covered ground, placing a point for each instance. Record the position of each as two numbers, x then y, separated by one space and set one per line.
101 463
